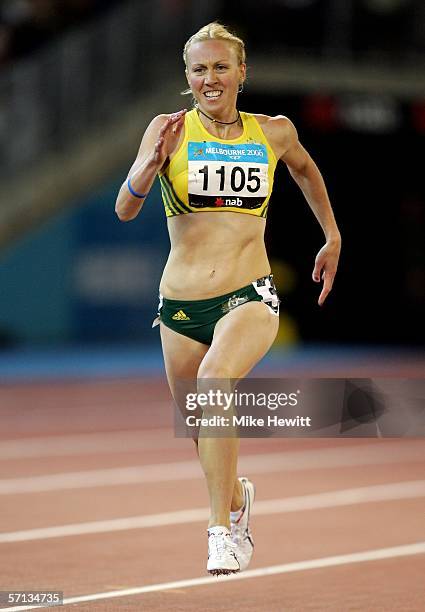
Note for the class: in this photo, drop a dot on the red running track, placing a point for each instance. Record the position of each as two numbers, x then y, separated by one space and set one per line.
338 523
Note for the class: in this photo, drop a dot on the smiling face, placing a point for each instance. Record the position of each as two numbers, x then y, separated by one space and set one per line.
214 75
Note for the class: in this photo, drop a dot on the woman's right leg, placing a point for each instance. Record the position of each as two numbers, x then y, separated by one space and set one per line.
182 358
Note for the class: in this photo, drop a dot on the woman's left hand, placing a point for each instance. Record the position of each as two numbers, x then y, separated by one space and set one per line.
325 267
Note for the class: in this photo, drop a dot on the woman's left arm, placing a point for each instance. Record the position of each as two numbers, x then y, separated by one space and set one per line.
307 176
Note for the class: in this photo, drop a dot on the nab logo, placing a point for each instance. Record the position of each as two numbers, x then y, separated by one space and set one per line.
234 202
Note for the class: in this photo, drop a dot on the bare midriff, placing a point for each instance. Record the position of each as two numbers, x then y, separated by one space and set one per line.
213 253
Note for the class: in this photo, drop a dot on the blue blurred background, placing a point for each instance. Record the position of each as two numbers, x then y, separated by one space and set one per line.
79 82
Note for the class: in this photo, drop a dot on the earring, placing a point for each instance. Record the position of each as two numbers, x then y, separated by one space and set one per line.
240 88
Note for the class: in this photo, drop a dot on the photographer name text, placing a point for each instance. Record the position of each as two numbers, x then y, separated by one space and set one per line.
247 421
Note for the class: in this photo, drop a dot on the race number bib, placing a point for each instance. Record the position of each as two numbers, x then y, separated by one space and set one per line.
227 175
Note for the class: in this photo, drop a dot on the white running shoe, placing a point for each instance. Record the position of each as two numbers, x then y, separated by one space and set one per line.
222 557
240 530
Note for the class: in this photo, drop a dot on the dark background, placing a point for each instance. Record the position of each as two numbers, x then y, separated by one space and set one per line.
80 78
376 187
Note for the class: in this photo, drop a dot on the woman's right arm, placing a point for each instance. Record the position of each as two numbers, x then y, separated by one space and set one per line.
158 142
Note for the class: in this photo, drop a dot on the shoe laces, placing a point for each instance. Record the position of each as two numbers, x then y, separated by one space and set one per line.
221 543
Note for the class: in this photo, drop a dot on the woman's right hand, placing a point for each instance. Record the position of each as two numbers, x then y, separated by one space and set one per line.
159 141
168 137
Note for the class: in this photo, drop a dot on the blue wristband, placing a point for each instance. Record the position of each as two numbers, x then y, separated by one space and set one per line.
134 193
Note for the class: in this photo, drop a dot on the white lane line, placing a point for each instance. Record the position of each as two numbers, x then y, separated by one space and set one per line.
92 443
330 499
158 472
335 457
377 554
88 444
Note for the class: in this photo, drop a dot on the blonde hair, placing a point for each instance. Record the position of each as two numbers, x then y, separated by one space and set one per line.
216 31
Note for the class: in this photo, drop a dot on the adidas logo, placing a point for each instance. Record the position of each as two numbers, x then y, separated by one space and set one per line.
180 316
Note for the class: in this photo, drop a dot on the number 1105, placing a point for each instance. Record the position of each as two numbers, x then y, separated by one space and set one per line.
238 178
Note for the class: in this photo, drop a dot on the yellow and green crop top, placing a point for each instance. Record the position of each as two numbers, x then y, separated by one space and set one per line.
209 174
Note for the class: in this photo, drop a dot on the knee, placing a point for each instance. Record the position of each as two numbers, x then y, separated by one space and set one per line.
214 371
214 377
212 381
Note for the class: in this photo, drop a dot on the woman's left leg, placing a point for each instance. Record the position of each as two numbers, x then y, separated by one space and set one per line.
241 338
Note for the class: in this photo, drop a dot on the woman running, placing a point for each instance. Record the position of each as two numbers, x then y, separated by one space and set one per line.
219 310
